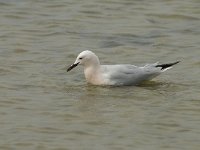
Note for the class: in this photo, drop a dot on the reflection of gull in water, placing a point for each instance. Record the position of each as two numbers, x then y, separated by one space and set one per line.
122 74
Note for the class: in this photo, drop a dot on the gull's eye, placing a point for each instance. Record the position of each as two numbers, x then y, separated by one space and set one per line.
81 58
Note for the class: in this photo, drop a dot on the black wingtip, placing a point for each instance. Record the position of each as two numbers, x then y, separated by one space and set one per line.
164 66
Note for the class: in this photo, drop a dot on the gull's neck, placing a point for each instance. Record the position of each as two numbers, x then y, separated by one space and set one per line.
92 72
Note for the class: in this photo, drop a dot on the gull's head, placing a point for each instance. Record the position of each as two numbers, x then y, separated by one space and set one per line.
86 58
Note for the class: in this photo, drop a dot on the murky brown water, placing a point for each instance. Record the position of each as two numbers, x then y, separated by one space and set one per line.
44 107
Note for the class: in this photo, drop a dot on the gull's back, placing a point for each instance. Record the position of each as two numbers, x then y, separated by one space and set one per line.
128 74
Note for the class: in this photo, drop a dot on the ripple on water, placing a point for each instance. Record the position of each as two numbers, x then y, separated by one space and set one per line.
44 107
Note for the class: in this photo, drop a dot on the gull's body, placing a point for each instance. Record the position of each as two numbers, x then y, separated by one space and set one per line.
123 74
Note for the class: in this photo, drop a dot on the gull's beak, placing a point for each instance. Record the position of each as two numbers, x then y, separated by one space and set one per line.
72 66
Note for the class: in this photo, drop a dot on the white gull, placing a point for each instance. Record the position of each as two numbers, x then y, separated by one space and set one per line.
122 74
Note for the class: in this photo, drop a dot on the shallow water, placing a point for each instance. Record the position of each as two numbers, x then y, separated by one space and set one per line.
44 107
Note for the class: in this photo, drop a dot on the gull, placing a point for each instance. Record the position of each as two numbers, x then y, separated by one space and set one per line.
120 74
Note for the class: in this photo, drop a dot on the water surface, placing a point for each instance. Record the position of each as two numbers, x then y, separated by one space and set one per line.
44 107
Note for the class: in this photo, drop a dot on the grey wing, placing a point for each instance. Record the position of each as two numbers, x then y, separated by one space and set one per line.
130 74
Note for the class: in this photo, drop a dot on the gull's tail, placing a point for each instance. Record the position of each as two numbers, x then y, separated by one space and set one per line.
165 67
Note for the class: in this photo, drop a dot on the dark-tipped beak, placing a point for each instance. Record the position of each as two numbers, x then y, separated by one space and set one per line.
72 66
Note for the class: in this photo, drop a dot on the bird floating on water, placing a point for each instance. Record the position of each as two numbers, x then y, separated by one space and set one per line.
120 74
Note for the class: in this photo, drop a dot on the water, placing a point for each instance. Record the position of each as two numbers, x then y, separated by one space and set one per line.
44 107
